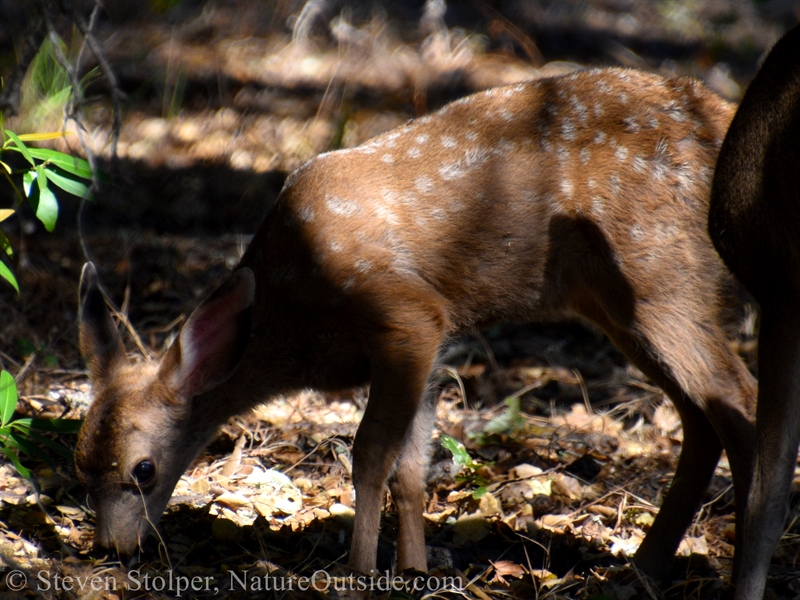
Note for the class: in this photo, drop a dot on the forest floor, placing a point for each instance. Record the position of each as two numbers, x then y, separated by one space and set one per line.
572 448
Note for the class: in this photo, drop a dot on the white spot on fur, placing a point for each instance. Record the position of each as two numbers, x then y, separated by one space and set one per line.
631 124
449 142
451 171
505 114
335 246
639 164
342 207
504 147
621 153
585 156
638 232
472 158
603 86
306 215
562 152
423 184
422 138
591 184
614 183
599 137
414 152
438 214
623 98
363 266
675 112
598 110
597 207
471 136
580 109
567 188
568 130
387 158
386 214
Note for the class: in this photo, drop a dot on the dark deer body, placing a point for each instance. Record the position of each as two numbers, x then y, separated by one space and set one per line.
755 223
580 195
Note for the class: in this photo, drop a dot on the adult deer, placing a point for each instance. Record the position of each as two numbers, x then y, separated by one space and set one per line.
583 195
754 221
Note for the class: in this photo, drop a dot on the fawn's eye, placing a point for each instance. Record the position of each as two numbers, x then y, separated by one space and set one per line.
144 472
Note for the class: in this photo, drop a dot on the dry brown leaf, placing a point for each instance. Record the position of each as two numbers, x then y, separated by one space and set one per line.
693 545
507 568
489 505
470 528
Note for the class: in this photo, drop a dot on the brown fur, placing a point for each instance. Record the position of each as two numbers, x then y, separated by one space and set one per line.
580 195
754 220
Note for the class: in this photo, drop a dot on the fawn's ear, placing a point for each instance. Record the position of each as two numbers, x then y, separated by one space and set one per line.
100 344
213 340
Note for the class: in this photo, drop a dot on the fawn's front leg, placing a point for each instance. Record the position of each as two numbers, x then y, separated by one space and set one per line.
402 360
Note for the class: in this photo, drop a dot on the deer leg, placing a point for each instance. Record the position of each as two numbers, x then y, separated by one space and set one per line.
778 436
714 395
700 453
408 486
401 363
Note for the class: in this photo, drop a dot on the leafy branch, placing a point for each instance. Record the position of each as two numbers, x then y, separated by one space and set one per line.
45 167
24 436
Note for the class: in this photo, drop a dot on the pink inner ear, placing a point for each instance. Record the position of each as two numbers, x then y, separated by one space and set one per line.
212 340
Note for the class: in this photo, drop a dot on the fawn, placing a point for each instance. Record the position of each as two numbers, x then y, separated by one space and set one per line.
753 220
582 195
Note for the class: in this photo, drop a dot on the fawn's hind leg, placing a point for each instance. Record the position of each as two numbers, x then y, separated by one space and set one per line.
714 395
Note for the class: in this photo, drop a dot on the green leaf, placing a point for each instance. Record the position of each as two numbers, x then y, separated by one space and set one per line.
28 179
49 135
21 148
68 184
43 441
508 422
5 245
26 446
460 455
41 177
46 205
51 425
6 274
8 397
6 167
15 461
71 164
479 492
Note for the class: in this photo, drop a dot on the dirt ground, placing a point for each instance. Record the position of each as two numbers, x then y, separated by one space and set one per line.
221 101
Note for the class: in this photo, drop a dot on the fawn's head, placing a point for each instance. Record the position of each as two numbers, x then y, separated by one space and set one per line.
140 432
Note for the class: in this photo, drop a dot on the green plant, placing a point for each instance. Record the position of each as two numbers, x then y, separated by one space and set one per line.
46 166
24 436
468 468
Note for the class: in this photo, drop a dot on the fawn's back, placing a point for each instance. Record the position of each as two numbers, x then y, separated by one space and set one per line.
496 205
